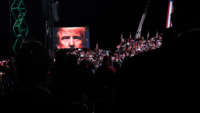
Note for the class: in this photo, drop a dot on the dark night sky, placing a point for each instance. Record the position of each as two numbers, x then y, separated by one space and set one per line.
105 18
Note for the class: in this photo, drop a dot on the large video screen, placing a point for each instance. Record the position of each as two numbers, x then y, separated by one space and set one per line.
72 37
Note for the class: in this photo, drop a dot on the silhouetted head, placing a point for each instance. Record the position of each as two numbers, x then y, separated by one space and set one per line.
32 62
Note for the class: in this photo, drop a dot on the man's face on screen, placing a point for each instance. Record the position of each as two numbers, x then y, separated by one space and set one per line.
70 37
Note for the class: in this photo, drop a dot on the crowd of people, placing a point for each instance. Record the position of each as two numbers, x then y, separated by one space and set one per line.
132 47
90 76
128 47
102 81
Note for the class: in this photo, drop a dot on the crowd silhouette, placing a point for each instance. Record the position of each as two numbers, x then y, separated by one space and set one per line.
164 78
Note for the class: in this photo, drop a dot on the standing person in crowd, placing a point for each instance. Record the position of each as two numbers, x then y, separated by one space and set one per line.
105 77
69 83
32 62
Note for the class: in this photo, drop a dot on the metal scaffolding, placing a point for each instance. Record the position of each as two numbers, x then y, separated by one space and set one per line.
18 21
